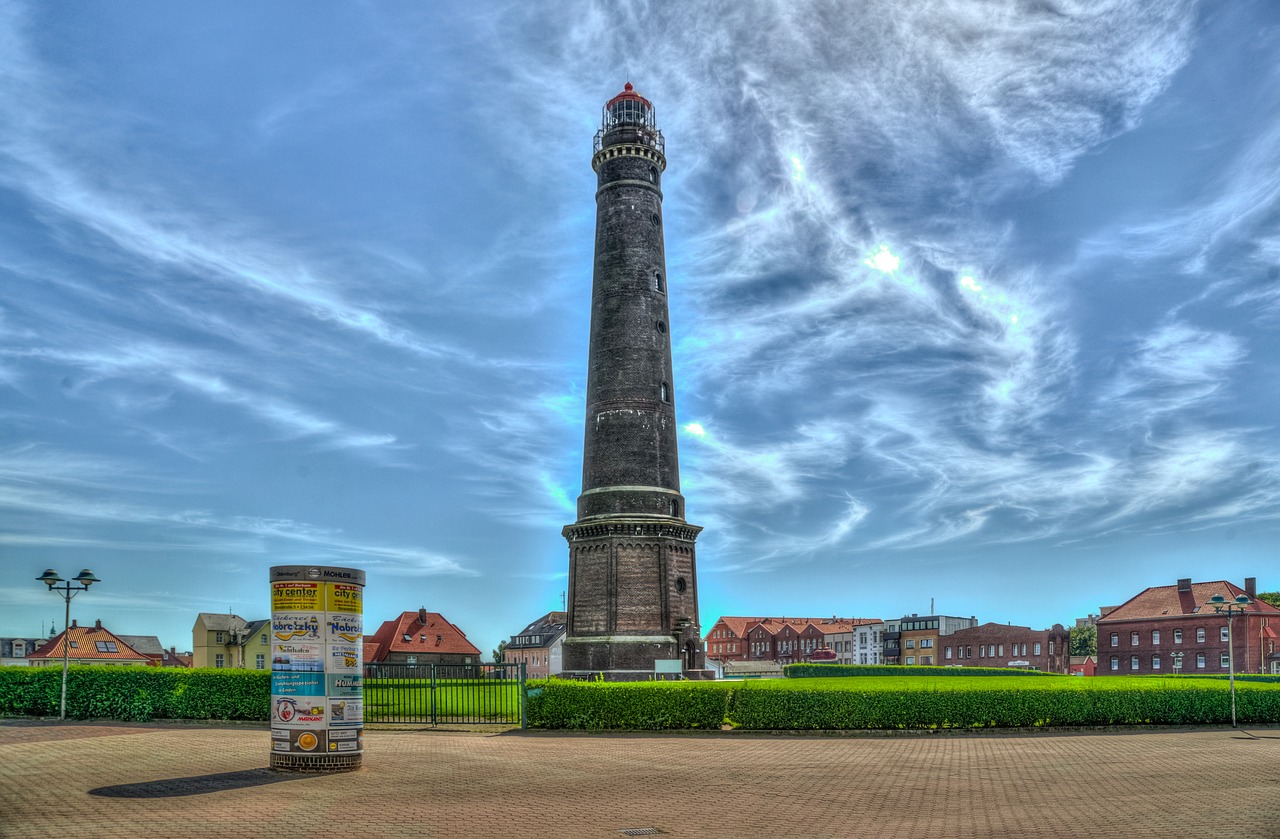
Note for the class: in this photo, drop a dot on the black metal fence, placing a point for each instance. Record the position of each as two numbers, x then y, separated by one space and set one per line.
444 694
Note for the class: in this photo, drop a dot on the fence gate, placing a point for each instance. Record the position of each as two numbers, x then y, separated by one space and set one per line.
435 694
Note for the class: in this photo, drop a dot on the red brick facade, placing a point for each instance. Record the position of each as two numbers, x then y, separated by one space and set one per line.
1002 645
1171 629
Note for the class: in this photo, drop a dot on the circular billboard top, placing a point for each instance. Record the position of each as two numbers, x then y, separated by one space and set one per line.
317 573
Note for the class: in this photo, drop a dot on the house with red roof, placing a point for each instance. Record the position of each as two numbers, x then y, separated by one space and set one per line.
87 645
419 637
783 640
1175 629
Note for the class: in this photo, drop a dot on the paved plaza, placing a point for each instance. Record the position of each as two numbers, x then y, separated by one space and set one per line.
103 780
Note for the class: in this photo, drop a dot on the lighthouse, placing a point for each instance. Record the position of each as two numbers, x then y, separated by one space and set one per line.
633 585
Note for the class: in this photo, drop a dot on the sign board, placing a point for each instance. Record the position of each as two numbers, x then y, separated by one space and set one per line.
668 665
317 681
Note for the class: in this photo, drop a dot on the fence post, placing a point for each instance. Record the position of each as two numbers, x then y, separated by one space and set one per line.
524 723
433 695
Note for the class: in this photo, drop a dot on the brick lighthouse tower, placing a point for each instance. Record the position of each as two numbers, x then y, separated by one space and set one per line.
633 583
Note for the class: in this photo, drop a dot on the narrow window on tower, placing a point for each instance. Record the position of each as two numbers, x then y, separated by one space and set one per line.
665 392
675 509
655 220
662 327
653 175
657 283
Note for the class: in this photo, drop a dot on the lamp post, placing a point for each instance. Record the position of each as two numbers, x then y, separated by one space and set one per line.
1230 608
1177 662
67 590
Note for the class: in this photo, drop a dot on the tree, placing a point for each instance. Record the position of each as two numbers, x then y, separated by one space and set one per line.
1084 640
1272 597
500 653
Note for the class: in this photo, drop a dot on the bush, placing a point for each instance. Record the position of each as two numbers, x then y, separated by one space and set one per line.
557 703
1064 701
822 671
137 694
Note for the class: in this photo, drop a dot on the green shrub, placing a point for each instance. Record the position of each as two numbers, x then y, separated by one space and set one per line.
557 703
822 671
137 694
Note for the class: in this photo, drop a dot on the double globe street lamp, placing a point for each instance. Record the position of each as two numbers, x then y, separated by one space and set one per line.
1230 608
68 590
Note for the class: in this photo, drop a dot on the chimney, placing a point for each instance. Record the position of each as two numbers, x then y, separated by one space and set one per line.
97 624
422 615
1184 584
74 625
1251 587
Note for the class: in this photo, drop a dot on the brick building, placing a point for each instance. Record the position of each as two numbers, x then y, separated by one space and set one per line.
1170 629
538 646
1002 645
783 640
419 637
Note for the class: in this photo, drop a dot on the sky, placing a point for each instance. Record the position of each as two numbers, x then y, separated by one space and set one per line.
972 304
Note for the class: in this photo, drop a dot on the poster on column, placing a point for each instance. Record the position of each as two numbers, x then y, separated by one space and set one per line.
317 680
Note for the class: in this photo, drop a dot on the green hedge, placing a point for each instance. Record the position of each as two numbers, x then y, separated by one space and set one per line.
556 703
137 693
900 702
822 671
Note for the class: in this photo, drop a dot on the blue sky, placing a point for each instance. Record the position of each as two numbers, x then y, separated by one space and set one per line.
975 303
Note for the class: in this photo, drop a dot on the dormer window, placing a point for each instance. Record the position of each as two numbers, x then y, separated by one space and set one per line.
408 637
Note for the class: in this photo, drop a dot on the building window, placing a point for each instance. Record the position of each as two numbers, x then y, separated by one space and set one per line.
1002 649
658 285
680 583
664 392
1115 662
1037 648
1199 661
947 654
911 659
106 646
1155 637
1133 662
1199 634
1226 660
1223 635
217 660
219 638
411 659
1115 639
655 220
991 651
1155 662
1177 636
1050 648
911 643
261 660
1133 639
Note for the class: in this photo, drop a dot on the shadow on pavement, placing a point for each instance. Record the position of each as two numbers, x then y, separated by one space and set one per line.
200 784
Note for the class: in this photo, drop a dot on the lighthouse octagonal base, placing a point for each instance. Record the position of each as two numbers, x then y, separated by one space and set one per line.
622 658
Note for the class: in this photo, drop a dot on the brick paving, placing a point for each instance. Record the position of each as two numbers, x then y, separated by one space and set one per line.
173 780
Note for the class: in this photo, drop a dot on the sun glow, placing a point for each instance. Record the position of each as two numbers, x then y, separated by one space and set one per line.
883 260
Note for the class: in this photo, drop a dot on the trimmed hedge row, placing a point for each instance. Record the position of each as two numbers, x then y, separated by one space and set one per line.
827 707
137 694
821 671
889 704
556 703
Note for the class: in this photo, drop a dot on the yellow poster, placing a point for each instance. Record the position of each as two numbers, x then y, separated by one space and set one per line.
296 597
342 597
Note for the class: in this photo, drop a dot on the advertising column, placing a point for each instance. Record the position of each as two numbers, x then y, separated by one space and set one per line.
317 693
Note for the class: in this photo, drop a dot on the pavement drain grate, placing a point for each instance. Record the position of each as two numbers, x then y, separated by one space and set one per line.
640 831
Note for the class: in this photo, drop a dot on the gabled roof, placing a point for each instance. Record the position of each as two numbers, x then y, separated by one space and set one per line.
148 645
541 633
740 626
1169 602
218 622
85 641
427 632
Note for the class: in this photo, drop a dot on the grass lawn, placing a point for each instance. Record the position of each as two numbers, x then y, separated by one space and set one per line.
456 700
